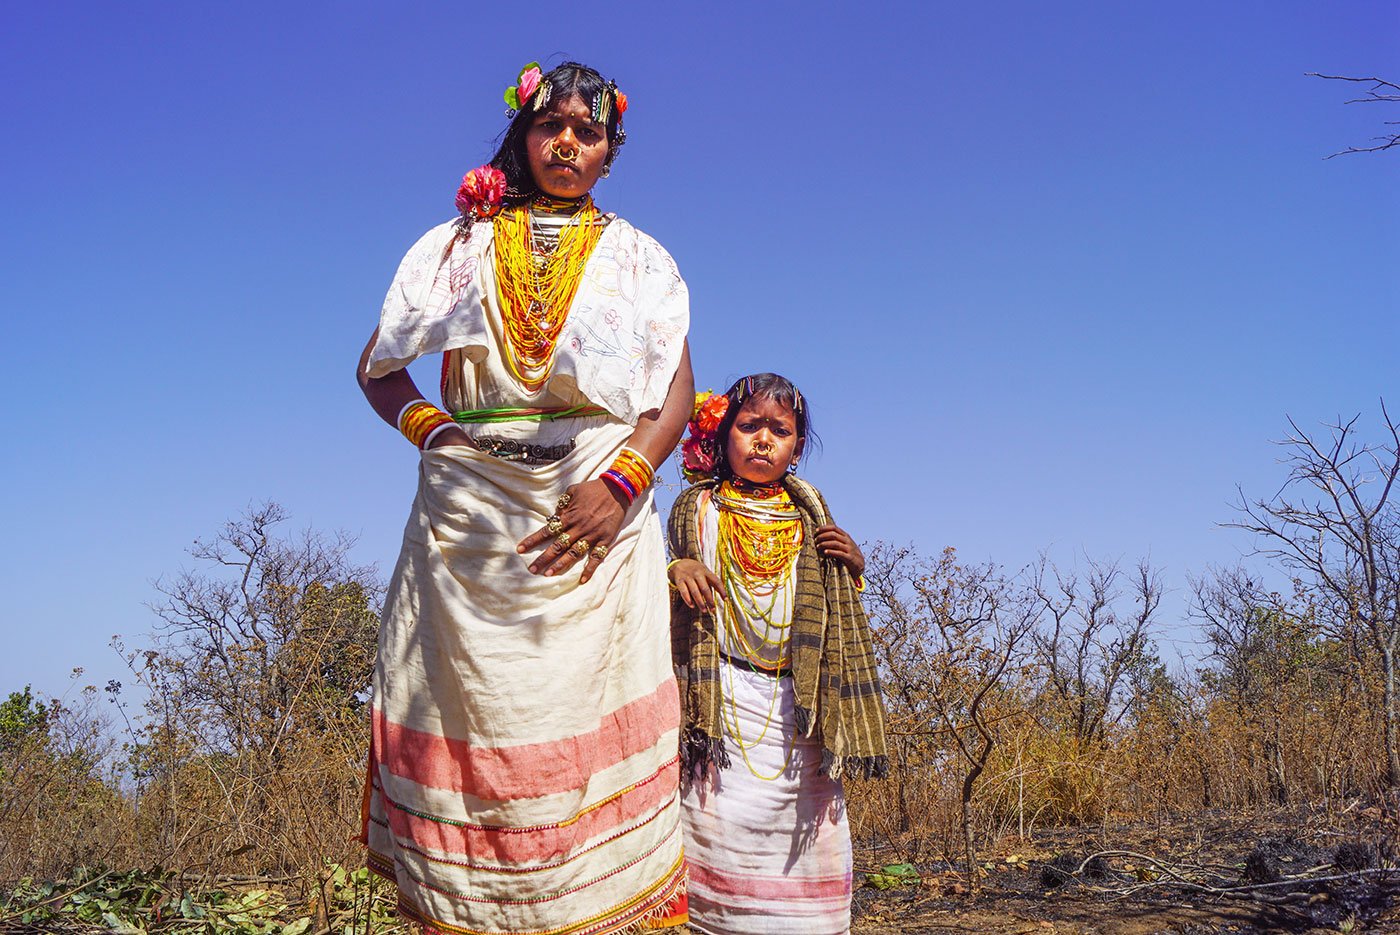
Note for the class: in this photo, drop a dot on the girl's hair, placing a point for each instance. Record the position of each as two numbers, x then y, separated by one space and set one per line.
760 386
561 82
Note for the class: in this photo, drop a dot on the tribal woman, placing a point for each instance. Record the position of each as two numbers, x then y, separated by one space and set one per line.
523 771
778 682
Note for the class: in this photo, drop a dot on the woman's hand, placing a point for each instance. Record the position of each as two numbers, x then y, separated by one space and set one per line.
592 515
451 436
835 543
697 585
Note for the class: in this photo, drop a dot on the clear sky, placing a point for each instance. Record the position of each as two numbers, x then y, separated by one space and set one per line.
1050 274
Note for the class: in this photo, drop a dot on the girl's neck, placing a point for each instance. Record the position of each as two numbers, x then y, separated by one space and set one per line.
751 489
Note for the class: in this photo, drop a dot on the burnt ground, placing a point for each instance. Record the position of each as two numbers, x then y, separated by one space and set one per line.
1210 874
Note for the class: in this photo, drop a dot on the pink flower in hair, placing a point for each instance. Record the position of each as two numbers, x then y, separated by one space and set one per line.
529 81
481 191
697 457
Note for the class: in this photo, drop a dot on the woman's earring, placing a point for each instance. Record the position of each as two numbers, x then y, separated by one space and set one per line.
607 171
792 466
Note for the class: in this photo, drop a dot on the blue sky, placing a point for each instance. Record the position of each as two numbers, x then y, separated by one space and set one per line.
1051 275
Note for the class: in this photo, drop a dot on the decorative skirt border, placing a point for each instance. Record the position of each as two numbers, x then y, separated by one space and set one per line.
661 905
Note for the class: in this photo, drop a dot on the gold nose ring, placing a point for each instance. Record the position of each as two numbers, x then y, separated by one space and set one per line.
566 153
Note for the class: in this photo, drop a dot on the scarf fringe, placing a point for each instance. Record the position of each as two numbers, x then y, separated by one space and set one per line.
803 717
699 750
861 767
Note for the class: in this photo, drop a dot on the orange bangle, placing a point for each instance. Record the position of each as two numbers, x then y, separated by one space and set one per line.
420 419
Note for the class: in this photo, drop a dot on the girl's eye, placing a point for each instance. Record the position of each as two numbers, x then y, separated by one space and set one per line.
588 134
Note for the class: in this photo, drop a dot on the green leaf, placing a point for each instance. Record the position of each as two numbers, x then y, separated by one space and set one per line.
892 875
120 927
297 927
512 98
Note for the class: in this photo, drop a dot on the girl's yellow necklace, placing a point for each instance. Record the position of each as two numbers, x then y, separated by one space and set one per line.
756 549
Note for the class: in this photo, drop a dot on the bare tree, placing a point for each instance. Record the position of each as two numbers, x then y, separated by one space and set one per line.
258 681
1265 659
1379 92
951 640
981 621
1334 522
1090 645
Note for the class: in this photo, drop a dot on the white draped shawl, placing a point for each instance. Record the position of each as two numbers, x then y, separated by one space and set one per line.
621 343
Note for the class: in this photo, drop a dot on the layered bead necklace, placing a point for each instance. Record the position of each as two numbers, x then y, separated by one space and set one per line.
536 285
759 538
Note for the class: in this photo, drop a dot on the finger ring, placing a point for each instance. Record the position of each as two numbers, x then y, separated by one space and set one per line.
580 548
564 500
554 524
563 539
600 552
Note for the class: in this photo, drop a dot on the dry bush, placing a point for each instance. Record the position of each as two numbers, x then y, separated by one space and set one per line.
61 800
252 745
247 753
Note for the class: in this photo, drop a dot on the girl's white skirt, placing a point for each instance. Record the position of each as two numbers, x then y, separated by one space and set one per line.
766 839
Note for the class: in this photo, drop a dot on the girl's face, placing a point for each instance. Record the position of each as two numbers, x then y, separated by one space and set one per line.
763 441
566 149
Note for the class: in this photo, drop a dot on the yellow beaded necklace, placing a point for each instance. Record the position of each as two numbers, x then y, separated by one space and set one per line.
758 538
756 550
535 288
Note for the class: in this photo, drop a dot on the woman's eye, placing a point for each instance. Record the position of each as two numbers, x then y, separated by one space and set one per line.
588 134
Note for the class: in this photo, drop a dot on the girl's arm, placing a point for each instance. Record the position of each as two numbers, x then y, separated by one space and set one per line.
596 508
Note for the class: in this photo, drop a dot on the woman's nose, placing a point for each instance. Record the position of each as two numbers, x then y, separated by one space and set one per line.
566 138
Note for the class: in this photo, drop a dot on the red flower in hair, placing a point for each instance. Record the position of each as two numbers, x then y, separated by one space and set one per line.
481 191
698 452
709 413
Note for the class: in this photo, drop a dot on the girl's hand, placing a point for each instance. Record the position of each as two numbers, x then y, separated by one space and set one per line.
835 543
593 515
697 585
451 436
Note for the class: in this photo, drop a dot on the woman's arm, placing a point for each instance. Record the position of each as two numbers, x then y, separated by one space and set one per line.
596 508
388 395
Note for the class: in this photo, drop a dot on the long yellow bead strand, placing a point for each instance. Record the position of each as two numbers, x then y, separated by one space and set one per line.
535 292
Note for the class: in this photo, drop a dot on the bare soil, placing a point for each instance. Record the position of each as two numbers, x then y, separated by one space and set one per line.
1277 872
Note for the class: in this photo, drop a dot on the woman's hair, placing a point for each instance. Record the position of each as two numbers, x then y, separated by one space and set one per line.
760 386
560 83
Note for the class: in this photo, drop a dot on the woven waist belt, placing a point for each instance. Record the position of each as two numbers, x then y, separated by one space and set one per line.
488 416
508 449
739 662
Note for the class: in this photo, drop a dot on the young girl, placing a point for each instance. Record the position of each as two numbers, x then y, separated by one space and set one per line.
778 683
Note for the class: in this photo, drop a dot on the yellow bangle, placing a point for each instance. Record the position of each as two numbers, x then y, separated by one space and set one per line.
860 584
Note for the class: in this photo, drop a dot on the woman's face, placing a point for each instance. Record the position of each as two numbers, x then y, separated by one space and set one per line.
763 441
566 149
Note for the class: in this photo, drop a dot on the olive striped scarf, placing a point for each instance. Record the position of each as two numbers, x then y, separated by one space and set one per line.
833 665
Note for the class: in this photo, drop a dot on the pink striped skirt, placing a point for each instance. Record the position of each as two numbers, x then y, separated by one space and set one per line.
766 839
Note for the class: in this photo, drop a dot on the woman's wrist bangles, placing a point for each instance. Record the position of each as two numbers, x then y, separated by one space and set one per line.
420 422
631 473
